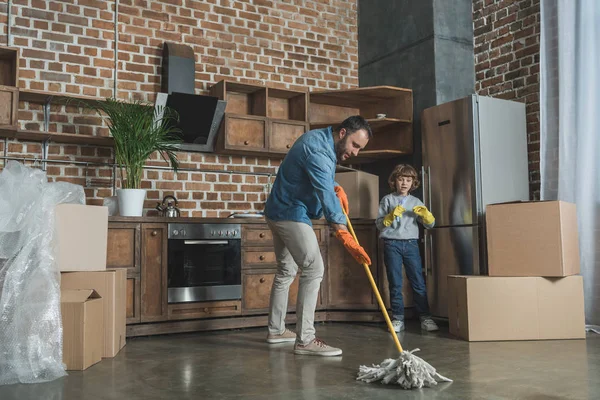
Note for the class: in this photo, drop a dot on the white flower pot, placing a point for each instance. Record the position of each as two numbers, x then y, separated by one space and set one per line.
131 202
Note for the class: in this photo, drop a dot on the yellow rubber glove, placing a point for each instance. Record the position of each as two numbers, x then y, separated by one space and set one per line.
425 215
397 212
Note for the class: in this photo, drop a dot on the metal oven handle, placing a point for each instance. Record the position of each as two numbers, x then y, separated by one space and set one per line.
205 242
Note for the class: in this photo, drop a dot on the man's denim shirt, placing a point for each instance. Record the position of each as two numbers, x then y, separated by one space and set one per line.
303 189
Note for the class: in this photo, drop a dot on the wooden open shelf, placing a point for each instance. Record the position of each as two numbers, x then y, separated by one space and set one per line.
9 66
64 138
375 123
392 135
39 96
260 120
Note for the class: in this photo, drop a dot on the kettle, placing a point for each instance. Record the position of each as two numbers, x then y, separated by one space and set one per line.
168 207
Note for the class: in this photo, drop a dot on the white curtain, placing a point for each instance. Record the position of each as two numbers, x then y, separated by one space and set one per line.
570 117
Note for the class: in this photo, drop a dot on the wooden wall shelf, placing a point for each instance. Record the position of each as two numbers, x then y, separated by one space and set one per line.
260 120
392 134
64 138
41 97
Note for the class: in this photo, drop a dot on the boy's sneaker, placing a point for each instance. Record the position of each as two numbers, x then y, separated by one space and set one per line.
286 336
428 324
398 325
317 348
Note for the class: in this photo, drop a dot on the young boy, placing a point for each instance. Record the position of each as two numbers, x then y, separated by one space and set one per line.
399 213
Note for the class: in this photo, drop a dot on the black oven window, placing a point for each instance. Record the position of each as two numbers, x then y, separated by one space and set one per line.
204 264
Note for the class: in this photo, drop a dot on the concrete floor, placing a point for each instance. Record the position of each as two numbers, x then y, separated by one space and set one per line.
240 365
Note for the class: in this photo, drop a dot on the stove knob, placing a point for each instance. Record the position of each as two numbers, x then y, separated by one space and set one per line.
220 233
182 232
175 232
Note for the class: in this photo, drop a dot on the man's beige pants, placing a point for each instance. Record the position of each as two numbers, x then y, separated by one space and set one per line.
296 246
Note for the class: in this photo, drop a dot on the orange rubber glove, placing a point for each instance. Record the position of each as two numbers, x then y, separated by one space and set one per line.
353 248
339 192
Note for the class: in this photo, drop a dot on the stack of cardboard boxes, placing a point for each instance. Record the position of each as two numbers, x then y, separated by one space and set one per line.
92 297
533 290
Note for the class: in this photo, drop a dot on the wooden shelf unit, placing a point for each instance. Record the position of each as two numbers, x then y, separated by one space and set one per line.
41 97
9 94
260 120
392 134
64 138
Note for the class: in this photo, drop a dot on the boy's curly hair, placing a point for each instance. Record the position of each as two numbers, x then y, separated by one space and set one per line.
404 170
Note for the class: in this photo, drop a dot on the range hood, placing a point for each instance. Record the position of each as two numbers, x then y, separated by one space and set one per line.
199 116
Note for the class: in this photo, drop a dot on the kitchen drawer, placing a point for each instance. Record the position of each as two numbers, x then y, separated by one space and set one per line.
259 257
261 235
256 287
257 235
205 309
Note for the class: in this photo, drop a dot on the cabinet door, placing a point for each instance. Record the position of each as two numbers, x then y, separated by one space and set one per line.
124 247
256 294
245 132
283 134
132 301
154 273
348 284
124 252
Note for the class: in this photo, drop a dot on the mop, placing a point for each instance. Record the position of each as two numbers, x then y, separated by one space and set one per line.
409 371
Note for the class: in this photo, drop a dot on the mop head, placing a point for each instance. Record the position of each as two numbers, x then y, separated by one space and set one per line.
408 371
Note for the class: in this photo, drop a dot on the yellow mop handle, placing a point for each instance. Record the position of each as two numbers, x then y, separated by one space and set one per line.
374 286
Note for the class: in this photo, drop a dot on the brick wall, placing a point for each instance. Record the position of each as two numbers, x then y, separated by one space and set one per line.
507 48
69 47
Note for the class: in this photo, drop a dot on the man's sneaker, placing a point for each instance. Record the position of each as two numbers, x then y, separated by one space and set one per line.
428 325
398 325
317 348
286 336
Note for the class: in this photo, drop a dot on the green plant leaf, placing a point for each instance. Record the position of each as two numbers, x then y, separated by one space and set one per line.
138 130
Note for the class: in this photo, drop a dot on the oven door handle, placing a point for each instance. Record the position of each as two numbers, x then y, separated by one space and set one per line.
205 242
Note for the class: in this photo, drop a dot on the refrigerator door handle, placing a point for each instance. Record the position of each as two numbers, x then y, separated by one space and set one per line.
427 257
424 189
430 263
429 187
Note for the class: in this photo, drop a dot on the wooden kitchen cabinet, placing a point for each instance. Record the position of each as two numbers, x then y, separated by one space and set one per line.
388 109
348 285
154 273
260 120
124 245
261 235
257 283
256 294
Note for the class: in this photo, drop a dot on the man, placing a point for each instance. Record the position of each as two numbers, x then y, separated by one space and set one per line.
305 189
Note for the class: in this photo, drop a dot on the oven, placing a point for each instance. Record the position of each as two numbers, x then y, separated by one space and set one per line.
204 262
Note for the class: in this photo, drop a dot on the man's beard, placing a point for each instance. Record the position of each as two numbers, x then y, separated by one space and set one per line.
340 148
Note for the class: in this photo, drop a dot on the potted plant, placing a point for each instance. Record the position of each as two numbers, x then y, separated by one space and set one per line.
138 130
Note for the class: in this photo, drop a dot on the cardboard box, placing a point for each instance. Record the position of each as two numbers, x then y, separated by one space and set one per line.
111 286
484 308
363 193
532 239
83 326
81 237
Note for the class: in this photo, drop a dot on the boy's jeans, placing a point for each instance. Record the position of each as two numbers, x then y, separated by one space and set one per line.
396 253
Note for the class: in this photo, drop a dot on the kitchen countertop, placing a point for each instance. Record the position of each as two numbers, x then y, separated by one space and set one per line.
198 220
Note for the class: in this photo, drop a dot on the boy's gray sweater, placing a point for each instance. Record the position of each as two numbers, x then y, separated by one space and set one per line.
402 228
